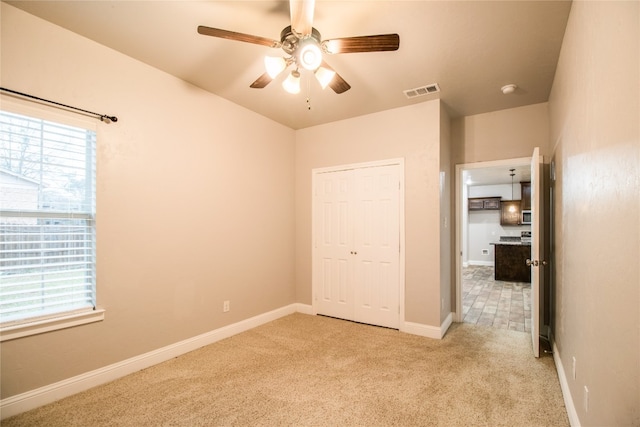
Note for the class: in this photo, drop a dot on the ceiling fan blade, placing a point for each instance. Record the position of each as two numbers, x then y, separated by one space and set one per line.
302 15
261 81
241 37
338 84
378 43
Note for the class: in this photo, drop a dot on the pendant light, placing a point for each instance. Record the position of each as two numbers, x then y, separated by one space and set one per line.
512 207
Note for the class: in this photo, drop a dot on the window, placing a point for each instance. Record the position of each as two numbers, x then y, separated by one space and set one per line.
47 219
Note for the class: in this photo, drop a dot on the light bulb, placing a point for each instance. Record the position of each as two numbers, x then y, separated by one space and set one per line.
292 83
309 55
324 76
274 65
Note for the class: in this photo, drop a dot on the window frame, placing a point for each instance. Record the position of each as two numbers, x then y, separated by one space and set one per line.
64 319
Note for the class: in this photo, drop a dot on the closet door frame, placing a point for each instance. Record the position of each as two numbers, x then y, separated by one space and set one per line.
315 173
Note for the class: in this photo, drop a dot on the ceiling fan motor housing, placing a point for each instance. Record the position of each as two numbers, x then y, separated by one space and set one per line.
305 49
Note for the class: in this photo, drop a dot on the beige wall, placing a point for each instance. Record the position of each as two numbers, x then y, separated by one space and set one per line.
499 135
194 206
594 116
447 228
412 133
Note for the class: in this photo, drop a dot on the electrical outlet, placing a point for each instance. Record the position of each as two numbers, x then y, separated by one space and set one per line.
226 306
574 368
586 399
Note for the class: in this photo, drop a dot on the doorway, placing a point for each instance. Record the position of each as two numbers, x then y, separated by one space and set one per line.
480 298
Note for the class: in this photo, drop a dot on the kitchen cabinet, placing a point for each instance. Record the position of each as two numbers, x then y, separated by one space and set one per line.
510 213
526 196
510 263
484 203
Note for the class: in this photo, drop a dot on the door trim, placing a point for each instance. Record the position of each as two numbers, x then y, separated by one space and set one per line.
461 215
401 219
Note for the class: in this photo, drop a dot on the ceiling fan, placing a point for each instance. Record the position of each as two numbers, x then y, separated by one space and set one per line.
304 48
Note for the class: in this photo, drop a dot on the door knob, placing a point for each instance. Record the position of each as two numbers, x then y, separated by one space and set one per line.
535 263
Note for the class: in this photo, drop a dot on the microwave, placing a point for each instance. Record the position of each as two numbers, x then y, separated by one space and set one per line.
526 217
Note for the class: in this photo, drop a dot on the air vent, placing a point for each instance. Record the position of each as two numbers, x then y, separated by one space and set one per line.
423 90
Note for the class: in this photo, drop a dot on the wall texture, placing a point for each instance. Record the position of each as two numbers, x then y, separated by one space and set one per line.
499 135
596 137
188 197
412 133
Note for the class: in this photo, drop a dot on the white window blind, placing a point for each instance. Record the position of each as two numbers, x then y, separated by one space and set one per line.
47 218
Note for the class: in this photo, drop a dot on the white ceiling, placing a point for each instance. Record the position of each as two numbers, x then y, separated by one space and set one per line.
469 48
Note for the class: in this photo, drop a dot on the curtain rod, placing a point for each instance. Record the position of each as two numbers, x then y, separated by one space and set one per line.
102 117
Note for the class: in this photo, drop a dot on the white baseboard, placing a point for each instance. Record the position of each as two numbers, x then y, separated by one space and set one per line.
428 331
32 399
304 308
574 421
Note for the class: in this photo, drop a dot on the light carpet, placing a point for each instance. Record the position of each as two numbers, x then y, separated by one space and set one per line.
307 370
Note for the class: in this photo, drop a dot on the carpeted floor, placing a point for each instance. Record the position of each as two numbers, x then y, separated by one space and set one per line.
314 371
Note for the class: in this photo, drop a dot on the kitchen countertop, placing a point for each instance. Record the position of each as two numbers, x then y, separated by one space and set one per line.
511 243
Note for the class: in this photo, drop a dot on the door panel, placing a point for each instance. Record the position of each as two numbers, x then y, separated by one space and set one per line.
378 246
333 237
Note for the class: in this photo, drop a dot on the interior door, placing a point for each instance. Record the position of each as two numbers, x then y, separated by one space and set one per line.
356 238
536 262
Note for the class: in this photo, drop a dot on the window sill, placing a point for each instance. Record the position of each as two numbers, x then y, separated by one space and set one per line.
21 330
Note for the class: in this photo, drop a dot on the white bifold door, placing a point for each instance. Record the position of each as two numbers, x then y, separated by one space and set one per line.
356 244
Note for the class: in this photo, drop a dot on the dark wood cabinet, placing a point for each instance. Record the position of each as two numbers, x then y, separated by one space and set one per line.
484 203
511 262
510 213
526 196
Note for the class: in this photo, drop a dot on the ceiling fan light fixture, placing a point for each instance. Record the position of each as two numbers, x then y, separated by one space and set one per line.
274 65
309 54
292 82
324 76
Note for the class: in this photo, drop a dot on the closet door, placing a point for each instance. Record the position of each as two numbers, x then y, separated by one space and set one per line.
377 246
333 236
356 234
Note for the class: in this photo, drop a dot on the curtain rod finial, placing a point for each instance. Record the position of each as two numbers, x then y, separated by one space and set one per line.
108 119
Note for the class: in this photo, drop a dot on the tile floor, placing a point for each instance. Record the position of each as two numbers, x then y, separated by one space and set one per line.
485 301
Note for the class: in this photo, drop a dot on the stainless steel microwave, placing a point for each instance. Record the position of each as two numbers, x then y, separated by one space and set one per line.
526 217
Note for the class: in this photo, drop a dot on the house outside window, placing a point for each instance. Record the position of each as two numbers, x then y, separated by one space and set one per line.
47 217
